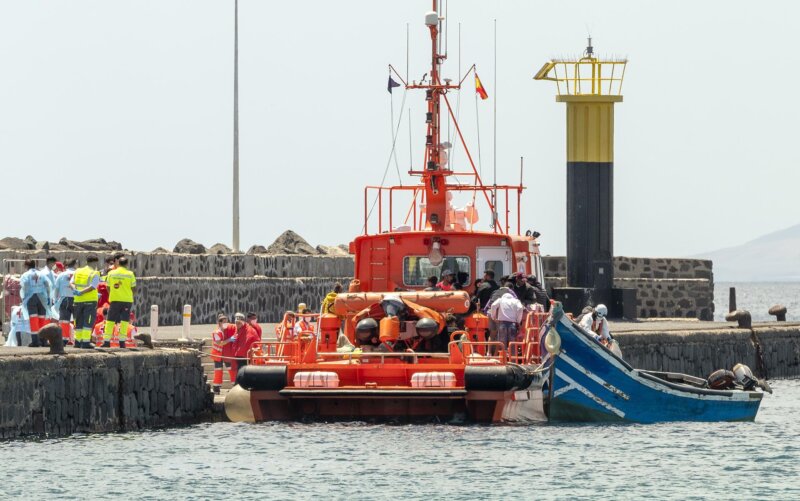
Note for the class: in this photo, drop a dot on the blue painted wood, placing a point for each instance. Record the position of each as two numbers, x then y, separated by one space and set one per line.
591 384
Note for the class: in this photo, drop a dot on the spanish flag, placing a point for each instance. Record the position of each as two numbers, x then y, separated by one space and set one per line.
479 88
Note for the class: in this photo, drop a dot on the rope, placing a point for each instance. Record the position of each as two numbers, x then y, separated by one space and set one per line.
391 154
394 137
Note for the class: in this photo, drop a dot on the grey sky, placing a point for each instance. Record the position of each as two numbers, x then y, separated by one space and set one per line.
107 101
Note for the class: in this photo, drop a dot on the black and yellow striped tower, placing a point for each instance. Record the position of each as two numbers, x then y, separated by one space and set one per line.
590 87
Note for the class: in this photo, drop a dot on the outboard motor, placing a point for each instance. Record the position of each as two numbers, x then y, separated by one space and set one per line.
722 380
744 376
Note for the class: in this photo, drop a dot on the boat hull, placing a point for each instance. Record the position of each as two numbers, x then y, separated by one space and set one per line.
397 404
589 384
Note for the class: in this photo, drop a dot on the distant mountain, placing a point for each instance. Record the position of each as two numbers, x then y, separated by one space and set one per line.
772 257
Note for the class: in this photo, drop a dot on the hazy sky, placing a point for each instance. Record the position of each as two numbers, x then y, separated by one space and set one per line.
116 117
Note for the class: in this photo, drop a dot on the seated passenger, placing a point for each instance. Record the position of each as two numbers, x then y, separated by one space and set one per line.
448 278
302 324
431 281
507 314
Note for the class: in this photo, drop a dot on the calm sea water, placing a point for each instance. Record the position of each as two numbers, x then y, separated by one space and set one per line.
758 460
758 298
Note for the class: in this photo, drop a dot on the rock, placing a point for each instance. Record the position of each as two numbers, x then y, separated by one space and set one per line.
45 246
331 250
160 250
188 246
99 244
345 248
69 244
219 249
291 243
31 242
257 249
13 243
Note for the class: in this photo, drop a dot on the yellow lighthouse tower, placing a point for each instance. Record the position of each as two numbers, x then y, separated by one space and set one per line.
590 87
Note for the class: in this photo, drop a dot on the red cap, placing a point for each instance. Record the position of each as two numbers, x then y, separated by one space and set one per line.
60 266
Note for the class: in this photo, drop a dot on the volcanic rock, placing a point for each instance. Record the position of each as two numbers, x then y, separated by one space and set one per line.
188 246
45 246
331 250
291 243
159 250
257 249
31 242
99 244
219 249
69 244
13 243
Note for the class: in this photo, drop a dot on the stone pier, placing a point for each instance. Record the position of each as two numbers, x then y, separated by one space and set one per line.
85 392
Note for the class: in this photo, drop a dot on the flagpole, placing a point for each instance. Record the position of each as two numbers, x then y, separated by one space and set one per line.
236 126
494 142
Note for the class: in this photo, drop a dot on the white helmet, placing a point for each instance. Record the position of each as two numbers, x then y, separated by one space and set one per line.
601 310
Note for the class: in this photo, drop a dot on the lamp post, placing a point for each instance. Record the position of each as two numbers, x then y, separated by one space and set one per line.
236 126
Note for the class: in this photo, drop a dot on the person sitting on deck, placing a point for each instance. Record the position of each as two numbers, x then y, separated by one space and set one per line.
302 324
446 284
432 285
507 314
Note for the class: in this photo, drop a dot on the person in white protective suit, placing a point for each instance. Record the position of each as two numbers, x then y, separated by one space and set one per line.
19 335
595 322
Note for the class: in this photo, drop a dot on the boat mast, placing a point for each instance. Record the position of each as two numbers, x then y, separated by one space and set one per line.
435 174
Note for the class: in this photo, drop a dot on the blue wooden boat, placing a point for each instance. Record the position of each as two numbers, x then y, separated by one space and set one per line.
588 383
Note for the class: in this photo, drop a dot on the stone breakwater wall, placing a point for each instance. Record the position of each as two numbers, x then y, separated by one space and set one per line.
45 395
269 297
665 287
699 353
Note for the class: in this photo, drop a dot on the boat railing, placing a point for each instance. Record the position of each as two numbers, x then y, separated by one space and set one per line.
414 215
274 352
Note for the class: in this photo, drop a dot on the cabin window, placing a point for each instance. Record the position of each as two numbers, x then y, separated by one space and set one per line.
496 267
417 269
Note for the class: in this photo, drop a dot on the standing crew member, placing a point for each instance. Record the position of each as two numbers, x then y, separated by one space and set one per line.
121 284
252 321
222 350
85 282
34 290
245 337
64 299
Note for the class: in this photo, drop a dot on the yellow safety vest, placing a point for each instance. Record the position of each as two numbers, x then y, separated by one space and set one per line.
83 278
120 285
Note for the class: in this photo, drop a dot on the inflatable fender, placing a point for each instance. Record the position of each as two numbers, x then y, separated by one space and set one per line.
262 377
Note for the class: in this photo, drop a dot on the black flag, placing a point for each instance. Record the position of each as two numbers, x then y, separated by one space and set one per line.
391 84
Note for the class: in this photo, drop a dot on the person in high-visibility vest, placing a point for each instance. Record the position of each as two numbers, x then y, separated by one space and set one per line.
121 284
222 350
85 282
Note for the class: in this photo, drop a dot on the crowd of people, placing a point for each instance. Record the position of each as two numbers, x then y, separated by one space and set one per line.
92 307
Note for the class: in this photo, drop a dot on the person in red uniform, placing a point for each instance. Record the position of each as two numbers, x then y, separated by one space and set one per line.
222 350
252 321
245 337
